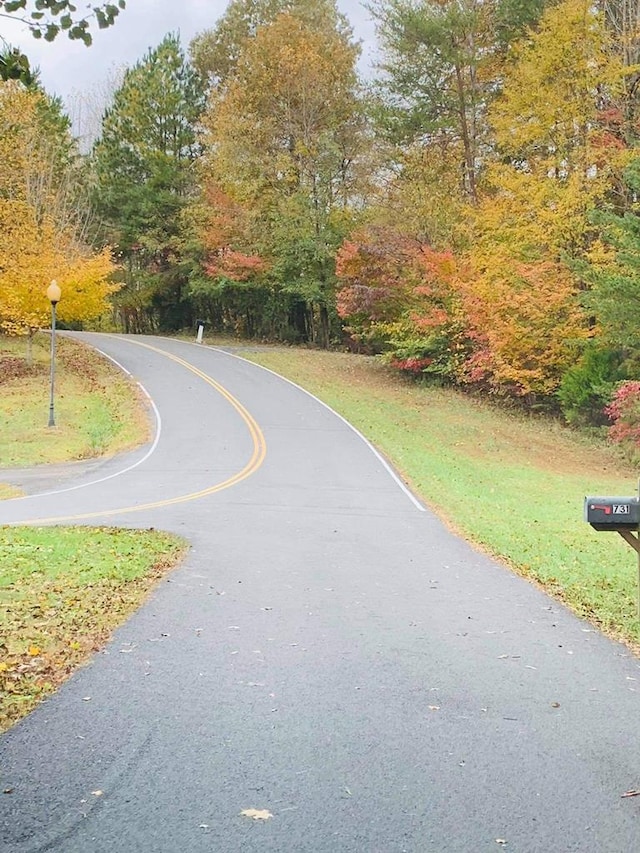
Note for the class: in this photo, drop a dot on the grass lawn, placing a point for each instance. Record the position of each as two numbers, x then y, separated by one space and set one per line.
512 484
99 411
62 592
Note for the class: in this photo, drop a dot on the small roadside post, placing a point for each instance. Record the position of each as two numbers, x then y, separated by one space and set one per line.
200 326
618 515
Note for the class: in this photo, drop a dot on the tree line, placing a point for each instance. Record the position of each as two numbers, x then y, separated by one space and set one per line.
470 210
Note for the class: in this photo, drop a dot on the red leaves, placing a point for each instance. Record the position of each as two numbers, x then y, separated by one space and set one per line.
624 412
411 365
234 265
226 227
383 273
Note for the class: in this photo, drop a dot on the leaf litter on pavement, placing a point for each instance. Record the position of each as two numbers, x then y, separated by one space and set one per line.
256 814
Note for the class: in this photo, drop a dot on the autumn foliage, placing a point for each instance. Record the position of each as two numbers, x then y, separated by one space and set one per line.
472 215
397 290
39 240
624 414
226 226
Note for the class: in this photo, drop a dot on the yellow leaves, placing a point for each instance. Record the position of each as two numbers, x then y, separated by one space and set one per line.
38 243
560 97
520 295
526 319
601 256
85 284
428 196
34 651
292 84
551 93
33 254
18 136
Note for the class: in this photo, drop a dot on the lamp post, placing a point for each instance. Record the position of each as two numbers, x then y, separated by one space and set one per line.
53 295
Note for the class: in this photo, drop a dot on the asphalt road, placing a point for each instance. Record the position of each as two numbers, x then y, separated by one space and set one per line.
329 653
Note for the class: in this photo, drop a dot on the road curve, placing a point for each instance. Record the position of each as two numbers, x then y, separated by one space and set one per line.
328 654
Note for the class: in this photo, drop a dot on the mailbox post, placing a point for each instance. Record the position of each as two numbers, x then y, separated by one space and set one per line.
617 515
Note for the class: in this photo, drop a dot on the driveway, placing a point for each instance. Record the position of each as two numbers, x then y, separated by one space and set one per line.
329 656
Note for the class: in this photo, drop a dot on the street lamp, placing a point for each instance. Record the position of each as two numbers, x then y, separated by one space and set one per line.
53 295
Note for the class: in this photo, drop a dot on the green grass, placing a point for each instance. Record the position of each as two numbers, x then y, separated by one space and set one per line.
62 593
98 410
512 484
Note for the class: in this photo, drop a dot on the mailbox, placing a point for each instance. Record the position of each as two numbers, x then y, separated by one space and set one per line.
607 513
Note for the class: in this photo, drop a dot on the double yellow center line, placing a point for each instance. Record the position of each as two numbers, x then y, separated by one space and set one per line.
258 455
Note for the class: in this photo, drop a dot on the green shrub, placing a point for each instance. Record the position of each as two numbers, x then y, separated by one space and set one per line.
587 387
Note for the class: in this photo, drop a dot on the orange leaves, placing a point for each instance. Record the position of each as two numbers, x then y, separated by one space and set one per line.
524 321
225 226
236 266
436 318
401 290
374 271
223 215
383 273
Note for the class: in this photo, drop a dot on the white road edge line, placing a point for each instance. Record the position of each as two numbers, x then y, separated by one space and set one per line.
126 470
414 500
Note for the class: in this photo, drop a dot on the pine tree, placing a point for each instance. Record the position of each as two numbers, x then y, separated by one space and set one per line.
143 164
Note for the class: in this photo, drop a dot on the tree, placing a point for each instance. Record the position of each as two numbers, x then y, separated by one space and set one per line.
622 18
557 163
557 92
30 257
524 322
397 294
216 52
423 198
286 136
436 80
14 65
613 271
41 218
143 164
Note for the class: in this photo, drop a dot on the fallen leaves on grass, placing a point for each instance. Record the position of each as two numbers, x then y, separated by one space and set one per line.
14 367
61 595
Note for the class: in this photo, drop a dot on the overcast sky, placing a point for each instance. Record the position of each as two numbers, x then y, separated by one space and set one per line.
69 68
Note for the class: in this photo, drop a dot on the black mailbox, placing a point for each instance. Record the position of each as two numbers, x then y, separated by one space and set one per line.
607 513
